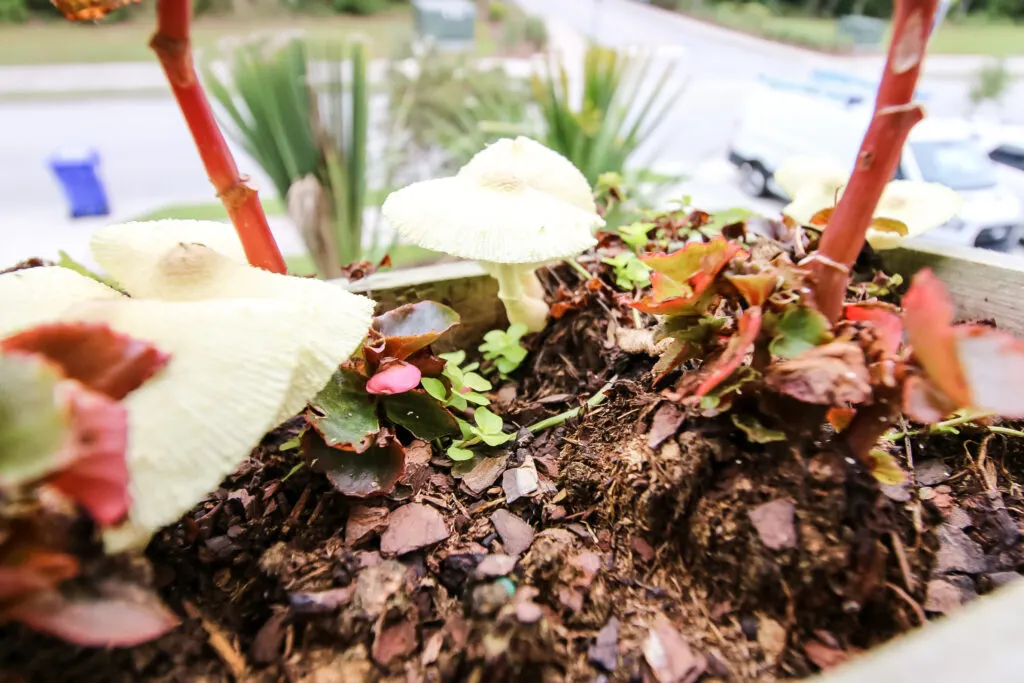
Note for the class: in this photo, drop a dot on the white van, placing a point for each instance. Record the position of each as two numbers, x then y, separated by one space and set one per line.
778 124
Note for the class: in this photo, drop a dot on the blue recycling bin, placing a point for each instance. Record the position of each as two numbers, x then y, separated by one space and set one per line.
80 181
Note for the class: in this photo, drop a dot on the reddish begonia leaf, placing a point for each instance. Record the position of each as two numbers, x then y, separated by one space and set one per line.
360 475
928 317
748 327
394 378
697 263
93 469
925 402
840 418
33 570
344 414
663 287
886 324
411 327
833 374
755 287
121 615
95 355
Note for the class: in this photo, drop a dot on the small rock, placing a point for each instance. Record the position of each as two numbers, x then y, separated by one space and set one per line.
364 520
320 602
496 565
930 472
519 482
588 564
484 473
999 579
222 547
774 524
666 422
412 527
605 650
377 584
946 595
392 642
897 492
527 611
958 518
748 625
516 535
925 493
642 548
824 656
432 648
958 553
456 569
669 656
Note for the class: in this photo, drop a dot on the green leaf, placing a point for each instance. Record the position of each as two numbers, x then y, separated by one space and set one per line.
466 429
798 330
885 469
516 331
435 388
420 414
755 431
458 401
411 327
291 444
32 426
455 358
344 414
488 422
71 264
373 472
495 439
459 454
475 382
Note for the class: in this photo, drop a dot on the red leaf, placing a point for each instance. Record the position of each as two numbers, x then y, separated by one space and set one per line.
755 287
100 358
747 330
121 617
840 418
834 374
698 263
94 471
396 378
928 316
360 475
38 570
887 324
411 327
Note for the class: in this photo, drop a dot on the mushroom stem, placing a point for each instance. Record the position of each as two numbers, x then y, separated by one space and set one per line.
518 289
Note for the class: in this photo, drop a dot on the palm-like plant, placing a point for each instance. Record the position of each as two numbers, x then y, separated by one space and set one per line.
316 159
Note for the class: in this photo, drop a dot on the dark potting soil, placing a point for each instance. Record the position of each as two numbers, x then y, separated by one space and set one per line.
636 543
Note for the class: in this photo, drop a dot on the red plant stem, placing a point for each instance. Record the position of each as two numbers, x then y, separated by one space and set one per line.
879 154
172 47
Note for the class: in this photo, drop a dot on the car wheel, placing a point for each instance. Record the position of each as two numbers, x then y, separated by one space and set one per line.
753 179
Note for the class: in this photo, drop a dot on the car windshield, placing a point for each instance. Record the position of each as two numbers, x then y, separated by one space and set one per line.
960 165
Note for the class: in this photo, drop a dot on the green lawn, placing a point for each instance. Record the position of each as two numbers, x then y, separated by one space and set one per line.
961 37
402 255
57 41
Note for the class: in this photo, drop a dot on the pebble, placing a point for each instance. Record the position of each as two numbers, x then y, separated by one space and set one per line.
958 553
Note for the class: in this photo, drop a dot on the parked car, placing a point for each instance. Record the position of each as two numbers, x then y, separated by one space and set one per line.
777 124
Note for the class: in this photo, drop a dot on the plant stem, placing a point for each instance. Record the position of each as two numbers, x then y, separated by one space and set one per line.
879 155
951 422
1006 431
171 44
584 273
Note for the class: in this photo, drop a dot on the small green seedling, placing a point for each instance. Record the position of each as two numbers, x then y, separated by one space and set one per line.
636 234
488 428
630 271
465 383
503 347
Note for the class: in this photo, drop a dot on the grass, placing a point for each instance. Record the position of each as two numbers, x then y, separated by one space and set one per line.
402 255
965 37
57 41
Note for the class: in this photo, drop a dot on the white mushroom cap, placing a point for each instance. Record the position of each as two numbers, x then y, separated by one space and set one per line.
193 422
168 268
120 242
798 173
496 218
538 166
35 296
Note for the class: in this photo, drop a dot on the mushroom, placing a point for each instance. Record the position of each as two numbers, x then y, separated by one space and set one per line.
906 208
495 211
34 296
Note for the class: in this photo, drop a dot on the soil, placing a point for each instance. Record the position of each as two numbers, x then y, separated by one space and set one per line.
656 545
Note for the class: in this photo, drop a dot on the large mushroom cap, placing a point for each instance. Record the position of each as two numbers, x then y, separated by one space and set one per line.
496 218
120 243
796 174
198 417
155 261
538 166
34 296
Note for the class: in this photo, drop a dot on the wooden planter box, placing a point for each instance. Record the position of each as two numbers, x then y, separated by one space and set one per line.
982 641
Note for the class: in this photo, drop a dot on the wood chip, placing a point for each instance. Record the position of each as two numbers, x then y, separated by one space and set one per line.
666 422
669 655
364 521
266 646
392 642
605 650
521 481
516 535
495 565
220 643
484 473
412 527
774 524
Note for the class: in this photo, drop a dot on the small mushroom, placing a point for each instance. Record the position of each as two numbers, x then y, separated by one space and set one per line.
493 211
